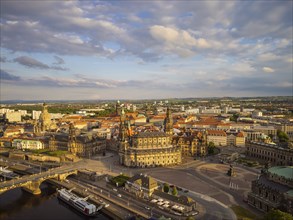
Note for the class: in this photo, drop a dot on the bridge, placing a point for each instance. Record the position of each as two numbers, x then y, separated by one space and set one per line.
31 183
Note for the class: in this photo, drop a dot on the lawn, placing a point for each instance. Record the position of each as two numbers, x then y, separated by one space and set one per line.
121 180
243 214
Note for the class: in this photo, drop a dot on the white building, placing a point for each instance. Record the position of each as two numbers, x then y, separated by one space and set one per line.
28 144
13 116
36 114
5 110
256 114
192 111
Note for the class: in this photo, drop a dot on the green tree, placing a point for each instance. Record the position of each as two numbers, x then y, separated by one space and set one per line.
174 191
234 117
283 137
276 214
166 188
211 148
190 218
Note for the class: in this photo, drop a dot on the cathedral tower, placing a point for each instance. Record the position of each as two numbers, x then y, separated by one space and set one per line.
168 123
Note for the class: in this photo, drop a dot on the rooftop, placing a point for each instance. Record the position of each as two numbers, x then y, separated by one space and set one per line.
283 171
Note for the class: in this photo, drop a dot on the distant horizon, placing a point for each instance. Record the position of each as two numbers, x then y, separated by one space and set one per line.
146 99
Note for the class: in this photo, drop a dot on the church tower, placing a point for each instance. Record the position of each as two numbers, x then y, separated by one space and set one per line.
45 118
168 123
122 128
123 138
118 108
72 143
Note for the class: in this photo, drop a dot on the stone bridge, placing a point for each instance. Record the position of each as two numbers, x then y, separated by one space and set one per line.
32 182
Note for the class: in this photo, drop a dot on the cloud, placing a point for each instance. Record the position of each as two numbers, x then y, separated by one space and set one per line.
30 62
268 69
59 60
3 59
33 63
7 76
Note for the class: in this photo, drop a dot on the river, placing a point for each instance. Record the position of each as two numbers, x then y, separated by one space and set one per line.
19 205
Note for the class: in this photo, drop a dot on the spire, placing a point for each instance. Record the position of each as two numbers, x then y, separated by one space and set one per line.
122 128
168 123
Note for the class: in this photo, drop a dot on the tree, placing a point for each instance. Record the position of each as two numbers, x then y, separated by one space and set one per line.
276 214
234 117
166 188
283 137
190 218
174 191
211 148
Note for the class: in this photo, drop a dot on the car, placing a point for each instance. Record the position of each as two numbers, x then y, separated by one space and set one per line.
186 191
119 195
147 208
106 205
161 207
115 189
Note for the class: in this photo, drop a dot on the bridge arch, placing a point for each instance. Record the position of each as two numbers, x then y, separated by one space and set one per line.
33 186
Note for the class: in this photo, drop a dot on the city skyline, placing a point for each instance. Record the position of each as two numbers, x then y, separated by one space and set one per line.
72 50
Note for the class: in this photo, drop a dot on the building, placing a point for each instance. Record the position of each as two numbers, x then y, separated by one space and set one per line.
45 118
147 149
28 144
252 135
11 130
192 145
269 152
13 116
271 131
82 145
141 185
5 110
256 114
273 190
218 137
288 129
36 114
235 139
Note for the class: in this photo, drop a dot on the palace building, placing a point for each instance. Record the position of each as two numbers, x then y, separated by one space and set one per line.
148 149
82 145
268 152
273 190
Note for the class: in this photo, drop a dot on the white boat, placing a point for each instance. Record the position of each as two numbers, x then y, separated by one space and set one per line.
76 202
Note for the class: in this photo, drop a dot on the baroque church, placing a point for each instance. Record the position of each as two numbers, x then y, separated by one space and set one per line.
148 149
44 124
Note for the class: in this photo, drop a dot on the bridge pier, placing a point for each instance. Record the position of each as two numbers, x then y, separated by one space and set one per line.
32 183
33 187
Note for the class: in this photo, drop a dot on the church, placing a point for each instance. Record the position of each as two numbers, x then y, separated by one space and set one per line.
148 149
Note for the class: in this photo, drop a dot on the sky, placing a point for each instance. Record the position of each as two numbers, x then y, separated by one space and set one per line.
82 50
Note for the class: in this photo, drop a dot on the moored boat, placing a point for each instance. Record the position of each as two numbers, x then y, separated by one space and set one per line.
76 202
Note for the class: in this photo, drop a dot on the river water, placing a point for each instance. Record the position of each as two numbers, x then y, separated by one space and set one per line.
19 205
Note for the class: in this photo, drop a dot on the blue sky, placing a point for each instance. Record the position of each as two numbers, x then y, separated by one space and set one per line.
54 50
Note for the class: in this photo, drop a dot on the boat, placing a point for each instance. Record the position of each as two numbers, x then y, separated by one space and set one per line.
76 202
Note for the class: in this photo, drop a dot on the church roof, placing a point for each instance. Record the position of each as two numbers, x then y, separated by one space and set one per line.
151 134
